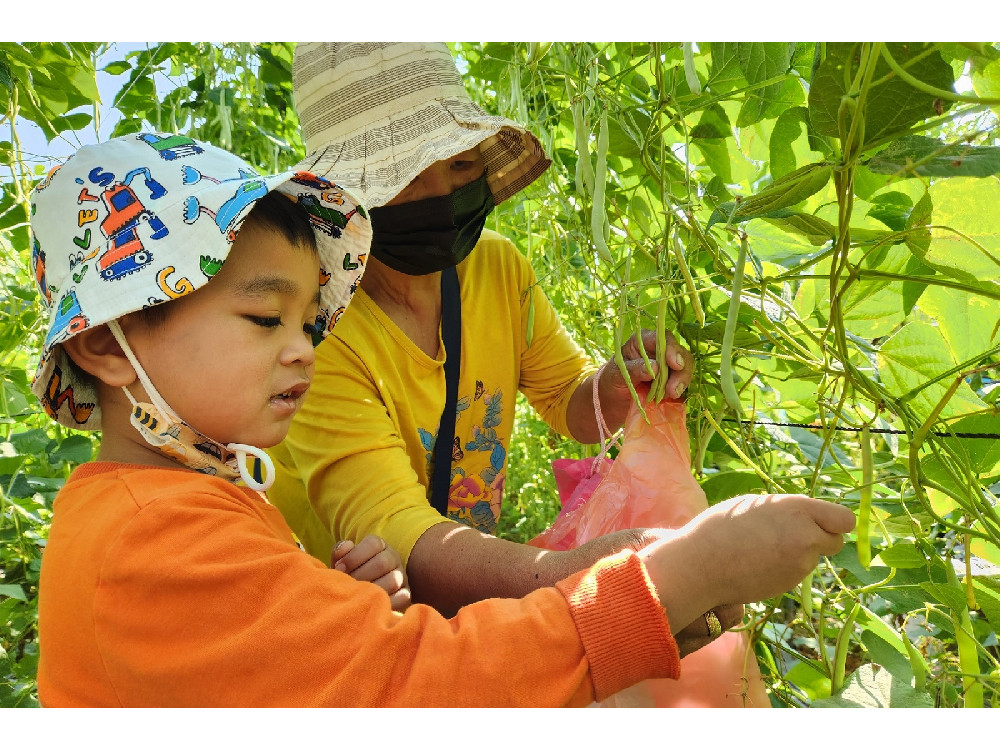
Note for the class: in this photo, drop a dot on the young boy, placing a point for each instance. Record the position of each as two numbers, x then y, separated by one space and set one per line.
165 583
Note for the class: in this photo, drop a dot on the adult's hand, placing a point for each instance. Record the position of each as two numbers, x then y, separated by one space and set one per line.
697 634
745 549
613 390
452 565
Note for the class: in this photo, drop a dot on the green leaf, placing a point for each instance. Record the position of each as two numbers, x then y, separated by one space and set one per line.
911 358
930 157
986 83
725 73
873 307
892 209
983 455
902 555
6 79
771 241
866 689
13 591
809 679
989 602
716 153
789 95
789 126
874 629
817 231
951 596
727 484
25 486
811 445
967 320
10 459
31 442
72 122
887 656
75 449
760 62
117 68
890 106
968 205
714 123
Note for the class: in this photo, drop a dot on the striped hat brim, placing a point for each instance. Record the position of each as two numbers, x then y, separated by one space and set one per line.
375 115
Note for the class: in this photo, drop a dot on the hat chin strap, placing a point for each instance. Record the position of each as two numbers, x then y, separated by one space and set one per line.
240 449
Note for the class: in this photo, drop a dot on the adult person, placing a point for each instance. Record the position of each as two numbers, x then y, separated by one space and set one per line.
394 122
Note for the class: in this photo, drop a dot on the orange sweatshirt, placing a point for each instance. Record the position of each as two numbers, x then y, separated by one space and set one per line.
165 587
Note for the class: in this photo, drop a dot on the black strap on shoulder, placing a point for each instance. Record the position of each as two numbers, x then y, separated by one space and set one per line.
451 334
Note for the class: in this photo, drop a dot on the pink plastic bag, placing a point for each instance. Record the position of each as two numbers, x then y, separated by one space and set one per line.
650 485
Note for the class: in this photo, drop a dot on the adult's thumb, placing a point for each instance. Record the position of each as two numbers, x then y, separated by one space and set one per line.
833 518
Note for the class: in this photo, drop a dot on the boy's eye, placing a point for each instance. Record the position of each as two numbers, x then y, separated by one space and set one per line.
265 321
314 330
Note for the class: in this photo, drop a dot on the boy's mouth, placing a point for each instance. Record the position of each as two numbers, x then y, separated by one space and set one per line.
291 396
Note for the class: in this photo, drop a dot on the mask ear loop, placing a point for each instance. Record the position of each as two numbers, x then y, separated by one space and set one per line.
154 395
241 450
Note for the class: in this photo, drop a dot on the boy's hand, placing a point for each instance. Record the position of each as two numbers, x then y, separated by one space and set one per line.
374 561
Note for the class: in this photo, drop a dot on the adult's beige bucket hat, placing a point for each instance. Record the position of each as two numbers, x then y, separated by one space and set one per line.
376 115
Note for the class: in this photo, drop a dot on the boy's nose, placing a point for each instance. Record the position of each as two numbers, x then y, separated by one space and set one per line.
299 351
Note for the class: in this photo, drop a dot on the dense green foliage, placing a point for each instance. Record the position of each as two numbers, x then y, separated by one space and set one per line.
812 220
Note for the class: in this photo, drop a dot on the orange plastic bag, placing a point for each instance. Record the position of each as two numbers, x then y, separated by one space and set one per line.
650 485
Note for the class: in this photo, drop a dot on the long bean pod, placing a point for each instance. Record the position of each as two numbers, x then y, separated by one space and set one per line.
840 650
699 313
968 654
658 388
599 227
584 169
726 365
689 72
865 507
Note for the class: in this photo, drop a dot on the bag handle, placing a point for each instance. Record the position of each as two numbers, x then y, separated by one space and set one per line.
608 440
451 335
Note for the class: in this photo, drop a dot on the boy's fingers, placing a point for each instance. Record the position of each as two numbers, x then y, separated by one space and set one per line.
342 548
373 569
365 550
391 582
400 600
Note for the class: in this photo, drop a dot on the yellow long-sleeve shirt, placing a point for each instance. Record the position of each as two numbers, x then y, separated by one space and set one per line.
357 459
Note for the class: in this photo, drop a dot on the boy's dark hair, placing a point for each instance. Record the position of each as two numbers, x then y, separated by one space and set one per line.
275 211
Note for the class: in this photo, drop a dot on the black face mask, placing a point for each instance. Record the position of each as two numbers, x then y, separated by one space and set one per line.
431 235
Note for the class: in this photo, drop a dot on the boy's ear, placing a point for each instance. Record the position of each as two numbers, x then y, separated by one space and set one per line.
96 351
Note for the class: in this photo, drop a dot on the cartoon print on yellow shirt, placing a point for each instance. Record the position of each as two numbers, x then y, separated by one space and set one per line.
477 473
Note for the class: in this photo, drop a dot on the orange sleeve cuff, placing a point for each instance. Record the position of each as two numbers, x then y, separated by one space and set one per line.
624 629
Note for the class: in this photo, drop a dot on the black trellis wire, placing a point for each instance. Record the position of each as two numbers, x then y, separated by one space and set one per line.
874 430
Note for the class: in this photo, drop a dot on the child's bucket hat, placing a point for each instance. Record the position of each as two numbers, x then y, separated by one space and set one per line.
377 114
143 219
